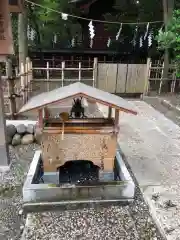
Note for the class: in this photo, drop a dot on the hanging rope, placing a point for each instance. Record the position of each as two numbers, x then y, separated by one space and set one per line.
65 16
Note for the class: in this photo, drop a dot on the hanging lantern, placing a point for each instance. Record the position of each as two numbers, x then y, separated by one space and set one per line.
16 6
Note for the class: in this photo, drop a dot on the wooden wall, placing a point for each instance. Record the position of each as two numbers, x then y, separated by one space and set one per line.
122 78
90 147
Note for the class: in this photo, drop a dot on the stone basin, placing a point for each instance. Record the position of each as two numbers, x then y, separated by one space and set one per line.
50 192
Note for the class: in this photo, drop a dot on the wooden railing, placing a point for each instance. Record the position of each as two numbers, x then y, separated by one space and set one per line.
63 75
16 87
20 87
155 76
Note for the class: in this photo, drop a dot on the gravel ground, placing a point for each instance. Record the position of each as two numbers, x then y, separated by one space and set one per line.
11 218
131 222
114 222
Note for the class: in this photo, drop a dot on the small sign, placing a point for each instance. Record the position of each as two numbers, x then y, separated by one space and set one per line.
6 39
15 6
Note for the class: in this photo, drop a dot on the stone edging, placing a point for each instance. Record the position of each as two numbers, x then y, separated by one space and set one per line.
169 105
154 216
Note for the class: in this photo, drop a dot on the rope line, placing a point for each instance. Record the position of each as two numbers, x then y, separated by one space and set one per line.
88 19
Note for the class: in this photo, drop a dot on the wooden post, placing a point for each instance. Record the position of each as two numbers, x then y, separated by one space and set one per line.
40 118
95 72
62 74
89 60
22 36
146 85
30 75
26 82
46 113
4 150
79 71
109 112
162 78
22 81
47 75
173 82
11 92
116 117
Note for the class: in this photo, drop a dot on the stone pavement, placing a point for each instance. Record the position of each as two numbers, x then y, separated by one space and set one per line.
151 144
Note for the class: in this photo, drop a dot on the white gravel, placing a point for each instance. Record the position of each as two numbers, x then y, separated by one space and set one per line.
11 182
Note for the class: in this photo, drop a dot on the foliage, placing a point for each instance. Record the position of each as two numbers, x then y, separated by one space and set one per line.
169 38
48 23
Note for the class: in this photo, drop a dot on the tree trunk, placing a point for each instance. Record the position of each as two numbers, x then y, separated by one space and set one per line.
22 37
168 6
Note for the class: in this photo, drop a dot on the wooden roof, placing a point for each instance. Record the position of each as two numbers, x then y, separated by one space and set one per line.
75 90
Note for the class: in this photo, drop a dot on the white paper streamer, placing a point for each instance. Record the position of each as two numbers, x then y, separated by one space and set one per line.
150 36
28 32
91 30
140 42
73 42
146 33
135 34
33 34
109 42
55 38
119 32
64 16
91 43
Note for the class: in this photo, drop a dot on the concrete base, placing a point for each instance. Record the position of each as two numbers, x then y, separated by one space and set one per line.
4 168
50 192
106 176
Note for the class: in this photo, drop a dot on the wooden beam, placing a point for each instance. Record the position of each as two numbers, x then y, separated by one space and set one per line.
15 6
78 131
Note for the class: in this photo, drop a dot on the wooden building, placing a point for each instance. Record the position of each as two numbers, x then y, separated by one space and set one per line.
75 130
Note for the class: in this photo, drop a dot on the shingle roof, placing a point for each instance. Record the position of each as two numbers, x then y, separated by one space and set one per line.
74 90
